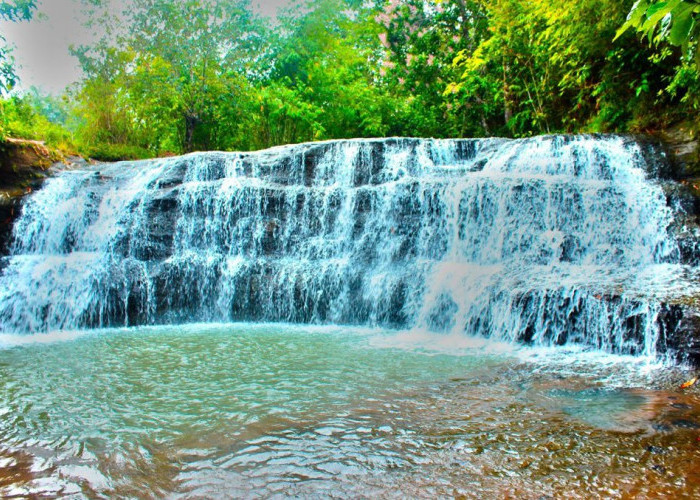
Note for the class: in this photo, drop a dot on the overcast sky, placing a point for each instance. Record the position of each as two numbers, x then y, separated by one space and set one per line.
41 45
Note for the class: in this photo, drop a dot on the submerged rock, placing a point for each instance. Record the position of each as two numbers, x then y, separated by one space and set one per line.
685 424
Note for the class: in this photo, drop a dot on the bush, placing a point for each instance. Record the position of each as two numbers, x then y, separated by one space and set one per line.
21 118
115 152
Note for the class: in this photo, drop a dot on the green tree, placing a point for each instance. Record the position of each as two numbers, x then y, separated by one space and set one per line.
420 40
553 68
161 84
207 74
17 10
322 81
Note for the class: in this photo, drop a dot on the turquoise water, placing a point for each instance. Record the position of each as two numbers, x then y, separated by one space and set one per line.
168 382
129 396
265 410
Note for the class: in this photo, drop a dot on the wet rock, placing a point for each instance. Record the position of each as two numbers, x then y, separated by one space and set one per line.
685 424
661 427
23 167
679 332
683 147
441 316
10 207
681 406
23 162
659 160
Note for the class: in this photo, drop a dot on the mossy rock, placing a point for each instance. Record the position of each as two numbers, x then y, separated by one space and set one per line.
24 162
116 152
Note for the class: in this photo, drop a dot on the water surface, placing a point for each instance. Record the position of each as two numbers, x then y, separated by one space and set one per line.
265 410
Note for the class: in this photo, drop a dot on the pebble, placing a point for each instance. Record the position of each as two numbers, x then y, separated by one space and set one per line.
659 468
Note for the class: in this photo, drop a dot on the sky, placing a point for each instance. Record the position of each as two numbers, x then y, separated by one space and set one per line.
41 45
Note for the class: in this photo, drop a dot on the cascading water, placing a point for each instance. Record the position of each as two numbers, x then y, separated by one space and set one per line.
546 240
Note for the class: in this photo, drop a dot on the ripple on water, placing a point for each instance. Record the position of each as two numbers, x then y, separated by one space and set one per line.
270 410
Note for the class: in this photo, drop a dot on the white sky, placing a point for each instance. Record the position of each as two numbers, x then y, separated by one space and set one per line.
41 45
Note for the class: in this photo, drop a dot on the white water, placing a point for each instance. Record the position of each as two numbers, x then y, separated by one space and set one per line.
549 240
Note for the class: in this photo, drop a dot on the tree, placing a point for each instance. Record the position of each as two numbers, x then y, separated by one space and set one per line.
552 67
420 41
168 72
322 81
675 21
207 74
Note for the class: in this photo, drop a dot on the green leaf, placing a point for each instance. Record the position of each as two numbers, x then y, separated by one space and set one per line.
637 13
657 8
622 29
656 13
682 23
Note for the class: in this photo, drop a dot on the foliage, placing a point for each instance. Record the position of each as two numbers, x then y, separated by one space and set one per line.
421 40
213 77
115 152
552 67
321 85
675 21
17 10
159 86
678 23
174 76
37 117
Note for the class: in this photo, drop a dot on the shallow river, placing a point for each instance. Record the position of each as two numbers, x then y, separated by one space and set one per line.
277 410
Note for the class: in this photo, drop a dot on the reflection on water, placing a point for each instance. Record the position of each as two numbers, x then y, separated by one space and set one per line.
265 410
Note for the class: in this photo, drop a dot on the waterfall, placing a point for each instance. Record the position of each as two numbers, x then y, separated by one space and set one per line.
546 240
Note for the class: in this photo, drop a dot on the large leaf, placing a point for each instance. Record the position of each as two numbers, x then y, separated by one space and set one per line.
635 17
682 23
657 12
637 13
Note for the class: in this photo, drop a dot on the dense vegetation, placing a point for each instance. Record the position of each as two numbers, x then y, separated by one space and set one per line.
184 75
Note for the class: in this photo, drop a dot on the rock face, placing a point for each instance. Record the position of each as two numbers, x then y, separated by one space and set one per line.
683 148
23 161
547 241
23 167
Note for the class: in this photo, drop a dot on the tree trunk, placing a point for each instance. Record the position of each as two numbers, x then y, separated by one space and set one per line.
191 121
507 111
